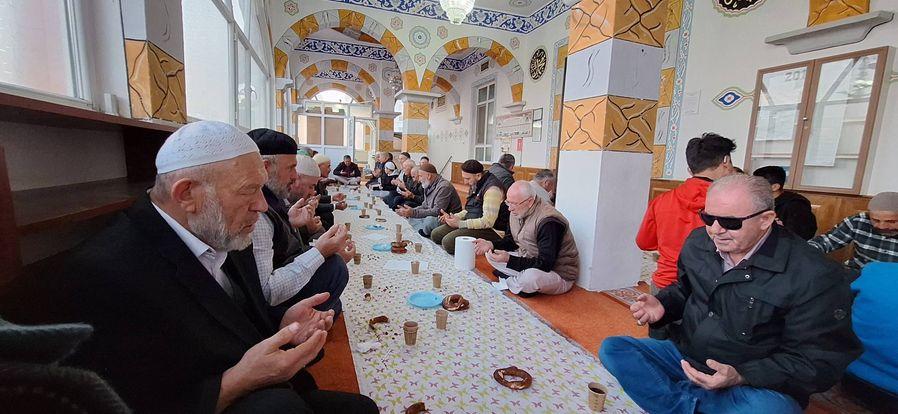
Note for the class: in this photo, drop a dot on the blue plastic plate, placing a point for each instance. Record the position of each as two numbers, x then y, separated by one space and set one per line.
374 227
425 300
354 208
382 247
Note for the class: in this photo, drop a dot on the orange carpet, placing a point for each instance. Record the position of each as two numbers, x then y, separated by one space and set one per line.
585 317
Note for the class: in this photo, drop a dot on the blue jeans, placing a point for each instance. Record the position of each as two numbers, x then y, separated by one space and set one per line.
649 371
425 224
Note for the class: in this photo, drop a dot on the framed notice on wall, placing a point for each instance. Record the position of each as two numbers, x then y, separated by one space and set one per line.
518 125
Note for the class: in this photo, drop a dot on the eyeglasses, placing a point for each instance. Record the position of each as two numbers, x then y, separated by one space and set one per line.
507 203
729 223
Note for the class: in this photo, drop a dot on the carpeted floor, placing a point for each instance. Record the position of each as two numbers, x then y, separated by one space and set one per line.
607 317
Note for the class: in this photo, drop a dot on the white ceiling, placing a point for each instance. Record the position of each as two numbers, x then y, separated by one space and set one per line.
519 7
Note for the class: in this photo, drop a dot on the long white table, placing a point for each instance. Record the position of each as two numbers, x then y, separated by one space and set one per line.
451 371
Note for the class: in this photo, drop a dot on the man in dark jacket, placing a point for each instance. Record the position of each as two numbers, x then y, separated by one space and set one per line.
439 195
172 291
485 210
406 186
289 270
793 210
347 172
766 320
327 203
504 170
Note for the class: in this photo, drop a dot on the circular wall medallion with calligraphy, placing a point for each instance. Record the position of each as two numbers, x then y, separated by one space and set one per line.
538 63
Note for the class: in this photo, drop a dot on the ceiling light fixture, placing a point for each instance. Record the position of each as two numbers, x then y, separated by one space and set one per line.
457 10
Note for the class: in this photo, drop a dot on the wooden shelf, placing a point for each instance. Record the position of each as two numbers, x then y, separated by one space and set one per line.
16 108
45 208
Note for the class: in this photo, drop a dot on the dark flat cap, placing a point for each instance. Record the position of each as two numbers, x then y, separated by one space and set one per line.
271 142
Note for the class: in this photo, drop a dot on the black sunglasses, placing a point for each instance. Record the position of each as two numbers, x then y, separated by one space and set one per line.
729 223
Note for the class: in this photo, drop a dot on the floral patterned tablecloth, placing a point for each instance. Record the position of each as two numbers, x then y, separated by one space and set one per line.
451 371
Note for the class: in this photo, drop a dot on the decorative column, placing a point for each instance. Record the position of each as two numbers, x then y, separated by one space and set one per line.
415 119
385 139
154 51
608 120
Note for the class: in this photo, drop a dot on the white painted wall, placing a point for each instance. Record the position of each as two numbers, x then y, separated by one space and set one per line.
538 94
728 51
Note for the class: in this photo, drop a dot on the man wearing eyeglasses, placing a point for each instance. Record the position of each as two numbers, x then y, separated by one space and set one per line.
538 254
765 318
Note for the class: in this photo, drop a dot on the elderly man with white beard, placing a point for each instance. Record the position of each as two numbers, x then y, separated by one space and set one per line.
289 271
172 291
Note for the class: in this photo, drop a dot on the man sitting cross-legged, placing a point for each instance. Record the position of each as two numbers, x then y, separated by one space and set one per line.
439 195
872 233
347 172
538 255
766 319
484 211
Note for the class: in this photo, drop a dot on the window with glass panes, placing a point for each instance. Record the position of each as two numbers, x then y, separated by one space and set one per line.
815 120
235 30
35 36
485 123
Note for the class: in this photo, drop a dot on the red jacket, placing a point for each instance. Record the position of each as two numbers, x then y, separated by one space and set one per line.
668 221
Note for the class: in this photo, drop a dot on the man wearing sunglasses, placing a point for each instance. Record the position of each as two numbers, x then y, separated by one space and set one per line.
765 318
671 216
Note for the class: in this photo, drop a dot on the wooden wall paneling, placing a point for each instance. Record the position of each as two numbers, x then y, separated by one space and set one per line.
520 173
141 146
10 260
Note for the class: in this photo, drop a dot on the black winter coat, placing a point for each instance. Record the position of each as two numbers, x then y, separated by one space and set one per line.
164 329
782 318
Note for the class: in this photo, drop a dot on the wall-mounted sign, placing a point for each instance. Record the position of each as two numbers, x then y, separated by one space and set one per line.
518 125
538 63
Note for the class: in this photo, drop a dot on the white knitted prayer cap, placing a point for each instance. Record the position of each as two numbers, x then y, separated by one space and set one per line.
200 143
321 159
305 165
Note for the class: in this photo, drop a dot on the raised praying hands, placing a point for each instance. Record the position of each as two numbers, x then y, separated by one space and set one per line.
348 252
449 219
307 318
300 214
404 211
647 309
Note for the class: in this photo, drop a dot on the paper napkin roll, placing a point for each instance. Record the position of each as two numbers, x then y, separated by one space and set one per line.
464 253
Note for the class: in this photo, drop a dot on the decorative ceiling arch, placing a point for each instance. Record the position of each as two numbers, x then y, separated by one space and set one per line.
312 90
493 49
352 21
308 73
441 84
